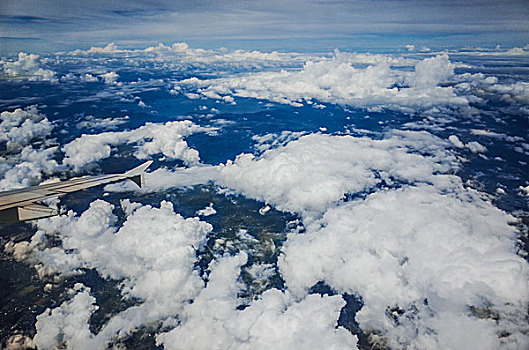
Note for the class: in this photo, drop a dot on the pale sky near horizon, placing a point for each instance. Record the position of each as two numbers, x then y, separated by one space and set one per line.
44 26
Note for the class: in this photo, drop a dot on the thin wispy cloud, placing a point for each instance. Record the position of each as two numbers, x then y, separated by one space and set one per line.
64 23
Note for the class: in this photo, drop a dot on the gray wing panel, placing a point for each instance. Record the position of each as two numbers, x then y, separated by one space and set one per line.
19 205
29 195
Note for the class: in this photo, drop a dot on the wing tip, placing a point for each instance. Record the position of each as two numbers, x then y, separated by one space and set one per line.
136 174
139 169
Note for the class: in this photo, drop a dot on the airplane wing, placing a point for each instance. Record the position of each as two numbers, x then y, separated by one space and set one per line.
20 204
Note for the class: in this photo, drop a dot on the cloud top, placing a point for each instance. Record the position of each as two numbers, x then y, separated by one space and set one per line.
336 80
27 66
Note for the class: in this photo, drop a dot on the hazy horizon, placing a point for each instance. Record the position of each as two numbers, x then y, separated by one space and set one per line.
44 26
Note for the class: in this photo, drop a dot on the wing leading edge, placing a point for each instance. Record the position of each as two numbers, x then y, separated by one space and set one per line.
19 205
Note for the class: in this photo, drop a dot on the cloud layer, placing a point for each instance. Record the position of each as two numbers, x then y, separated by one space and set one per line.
384 220
336 80
383 216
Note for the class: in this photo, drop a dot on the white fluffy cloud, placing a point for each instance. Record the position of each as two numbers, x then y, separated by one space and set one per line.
110 77
88 78
427 256
167 139
20 127
207 211
432 71
473 146
27 168
26 165
309 174
67 324
401 247
153 253
23 164
336 80
435 253
358 79
514 93
432 240
27 66
110 48
158 269
183 54
276 320
456 141
385 219
498 51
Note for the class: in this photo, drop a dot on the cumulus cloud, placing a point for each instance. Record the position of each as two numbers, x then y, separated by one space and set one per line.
88 78
307 173
384 220
387 248
167 139
336 80
456 141
207 211
67 324
110 77
110 48
473 146
27 66
157 269
310 173
481 87
28 167
25 163
176 47
408 248
432 71
513 93
276 320
497 51
182 53
516 51
341 78
84 78
20 127
422 274
338 77
476 147
18 342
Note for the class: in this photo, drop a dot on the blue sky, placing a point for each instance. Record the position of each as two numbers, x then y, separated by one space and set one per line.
40 26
